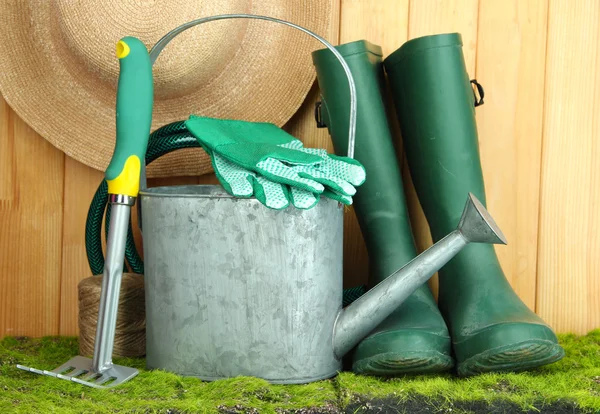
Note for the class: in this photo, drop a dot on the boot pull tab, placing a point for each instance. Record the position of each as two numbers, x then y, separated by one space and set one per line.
480 91
318 116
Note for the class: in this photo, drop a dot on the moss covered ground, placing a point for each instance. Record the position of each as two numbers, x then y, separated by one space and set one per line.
571 385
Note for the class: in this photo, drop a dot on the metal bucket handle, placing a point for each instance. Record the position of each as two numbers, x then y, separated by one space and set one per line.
160 45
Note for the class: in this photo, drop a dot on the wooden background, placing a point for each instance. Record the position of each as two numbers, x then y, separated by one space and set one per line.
539 61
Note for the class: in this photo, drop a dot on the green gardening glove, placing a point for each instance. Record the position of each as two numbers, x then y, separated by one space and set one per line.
277 156
244 183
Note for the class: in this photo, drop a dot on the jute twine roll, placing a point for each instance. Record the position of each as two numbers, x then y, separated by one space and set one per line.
130 335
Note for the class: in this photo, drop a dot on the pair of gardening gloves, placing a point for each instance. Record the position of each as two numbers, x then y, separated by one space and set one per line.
262 160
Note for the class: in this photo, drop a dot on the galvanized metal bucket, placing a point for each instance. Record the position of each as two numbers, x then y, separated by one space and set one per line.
234 288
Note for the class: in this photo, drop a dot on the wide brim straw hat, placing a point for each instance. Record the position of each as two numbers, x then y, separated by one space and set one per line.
58 69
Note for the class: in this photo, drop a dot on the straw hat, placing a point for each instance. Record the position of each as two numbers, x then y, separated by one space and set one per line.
58 69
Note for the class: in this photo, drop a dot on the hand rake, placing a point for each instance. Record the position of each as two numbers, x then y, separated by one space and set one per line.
134 114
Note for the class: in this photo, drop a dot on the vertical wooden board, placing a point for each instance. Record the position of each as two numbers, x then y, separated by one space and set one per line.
429 17
6 153
7 226
81 183
570 190
592 293
382 22
208 179
31 234
511 46
302 125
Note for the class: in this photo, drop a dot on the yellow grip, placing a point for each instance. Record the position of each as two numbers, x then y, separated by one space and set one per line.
128 181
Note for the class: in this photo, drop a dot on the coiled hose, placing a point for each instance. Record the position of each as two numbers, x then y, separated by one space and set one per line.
168 138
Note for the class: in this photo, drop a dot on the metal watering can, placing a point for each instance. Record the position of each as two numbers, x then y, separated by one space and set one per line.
234 288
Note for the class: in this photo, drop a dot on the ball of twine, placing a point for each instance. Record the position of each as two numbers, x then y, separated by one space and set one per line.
130 334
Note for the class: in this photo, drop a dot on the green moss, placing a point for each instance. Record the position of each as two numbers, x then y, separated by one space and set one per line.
574 380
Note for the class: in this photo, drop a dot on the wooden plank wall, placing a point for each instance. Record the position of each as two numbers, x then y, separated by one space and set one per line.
539 131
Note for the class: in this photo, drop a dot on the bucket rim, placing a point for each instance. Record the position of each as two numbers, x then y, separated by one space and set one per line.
187 191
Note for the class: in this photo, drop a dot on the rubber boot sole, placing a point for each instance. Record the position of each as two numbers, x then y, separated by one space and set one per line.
509 347
404 352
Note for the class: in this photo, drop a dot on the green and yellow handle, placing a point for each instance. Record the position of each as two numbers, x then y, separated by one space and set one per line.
134 117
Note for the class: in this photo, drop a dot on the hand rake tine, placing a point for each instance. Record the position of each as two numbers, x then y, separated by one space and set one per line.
75 373
51 374
104 378
90 377
86 383
30 369
67 366
37 371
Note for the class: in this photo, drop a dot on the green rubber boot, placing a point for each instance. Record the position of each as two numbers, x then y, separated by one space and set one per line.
491 328
414 339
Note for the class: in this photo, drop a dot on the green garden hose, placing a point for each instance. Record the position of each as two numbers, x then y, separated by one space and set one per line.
162 141
166 139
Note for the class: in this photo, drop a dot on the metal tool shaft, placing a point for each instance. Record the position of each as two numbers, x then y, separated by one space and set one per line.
111 286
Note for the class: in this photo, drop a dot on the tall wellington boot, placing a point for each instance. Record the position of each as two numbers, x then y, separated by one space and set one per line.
414 339
491 328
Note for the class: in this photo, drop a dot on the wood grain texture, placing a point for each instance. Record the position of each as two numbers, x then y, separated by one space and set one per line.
428 17
539 61
568 283
7 165
31 215
382 22
302 125
511 53
81 183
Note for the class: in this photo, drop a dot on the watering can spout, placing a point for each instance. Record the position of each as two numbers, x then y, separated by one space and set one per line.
358 319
